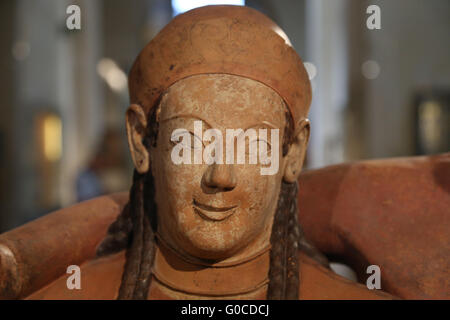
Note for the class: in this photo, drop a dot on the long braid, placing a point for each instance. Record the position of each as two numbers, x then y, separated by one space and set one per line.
139 257
293 236
134 253
287 238
149 246
134 221
118 234
283 270
134 230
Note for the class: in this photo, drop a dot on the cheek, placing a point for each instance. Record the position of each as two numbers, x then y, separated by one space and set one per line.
259 189
175 186
258 196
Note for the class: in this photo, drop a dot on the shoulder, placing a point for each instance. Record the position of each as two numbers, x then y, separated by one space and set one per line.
30 260
100 280
319 283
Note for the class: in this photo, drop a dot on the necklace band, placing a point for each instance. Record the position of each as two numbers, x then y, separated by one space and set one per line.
180 274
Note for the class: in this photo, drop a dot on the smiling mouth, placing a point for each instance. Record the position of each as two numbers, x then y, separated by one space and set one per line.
213 213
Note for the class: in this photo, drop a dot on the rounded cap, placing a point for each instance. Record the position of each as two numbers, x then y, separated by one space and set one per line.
221 39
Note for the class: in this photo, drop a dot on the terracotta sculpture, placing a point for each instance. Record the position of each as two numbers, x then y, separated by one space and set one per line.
198 231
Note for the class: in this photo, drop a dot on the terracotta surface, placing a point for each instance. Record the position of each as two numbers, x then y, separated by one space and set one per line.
221 39
424 242
228 68
37 252
101 280
183 191
394 213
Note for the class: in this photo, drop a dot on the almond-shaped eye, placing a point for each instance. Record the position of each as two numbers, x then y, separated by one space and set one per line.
257 144
264 147
186 138
252 147
196 142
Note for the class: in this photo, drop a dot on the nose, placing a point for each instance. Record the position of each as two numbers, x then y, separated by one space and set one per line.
220 177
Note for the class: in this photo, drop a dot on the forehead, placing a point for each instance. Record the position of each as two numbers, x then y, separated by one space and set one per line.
224 101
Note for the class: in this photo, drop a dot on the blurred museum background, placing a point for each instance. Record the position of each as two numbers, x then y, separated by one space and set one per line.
63 93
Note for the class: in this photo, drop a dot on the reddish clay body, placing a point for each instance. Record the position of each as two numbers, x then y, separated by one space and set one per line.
224 230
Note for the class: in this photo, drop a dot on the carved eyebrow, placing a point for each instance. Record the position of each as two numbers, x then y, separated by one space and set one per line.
193 116
262 124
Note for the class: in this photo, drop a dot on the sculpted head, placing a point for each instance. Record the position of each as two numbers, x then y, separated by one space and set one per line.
214 211
210 196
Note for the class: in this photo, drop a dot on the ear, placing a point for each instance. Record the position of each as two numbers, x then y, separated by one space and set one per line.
297 151
136 123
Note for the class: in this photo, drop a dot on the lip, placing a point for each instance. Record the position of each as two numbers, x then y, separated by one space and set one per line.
212 213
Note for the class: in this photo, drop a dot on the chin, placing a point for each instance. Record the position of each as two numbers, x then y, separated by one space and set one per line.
210 246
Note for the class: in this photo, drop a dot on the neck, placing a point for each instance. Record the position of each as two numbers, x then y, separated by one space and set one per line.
197 277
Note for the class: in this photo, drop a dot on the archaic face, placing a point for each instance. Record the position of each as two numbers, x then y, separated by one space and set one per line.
219 210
